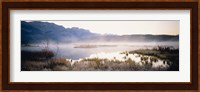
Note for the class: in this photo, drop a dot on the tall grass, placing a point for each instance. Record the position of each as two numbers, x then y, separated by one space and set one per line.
45 60
163 52
93 64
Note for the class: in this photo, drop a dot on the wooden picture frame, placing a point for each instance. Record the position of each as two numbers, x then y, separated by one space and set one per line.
7 85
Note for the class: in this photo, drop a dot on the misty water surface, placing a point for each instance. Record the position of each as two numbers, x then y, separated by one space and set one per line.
68 51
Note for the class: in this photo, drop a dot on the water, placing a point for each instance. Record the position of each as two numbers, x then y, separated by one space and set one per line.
70 51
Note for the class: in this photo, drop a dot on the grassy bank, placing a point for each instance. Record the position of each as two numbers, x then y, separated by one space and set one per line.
45 60
165 53
60 64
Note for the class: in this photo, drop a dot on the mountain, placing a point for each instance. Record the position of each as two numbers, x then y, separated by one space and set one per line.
38 32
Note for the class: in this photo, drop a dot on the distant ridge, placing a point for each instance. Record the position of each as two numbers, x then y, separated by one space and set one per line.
38 32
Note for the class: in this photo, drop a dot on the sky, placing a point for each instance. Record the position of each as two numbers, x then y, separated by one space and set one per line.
125 27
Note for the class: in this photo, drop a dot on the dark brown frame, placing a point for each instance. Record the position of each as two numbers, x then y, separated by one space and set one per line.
7 85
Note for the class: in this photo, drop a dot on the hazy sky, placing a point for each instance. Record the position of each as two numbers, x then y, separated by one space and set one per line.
125 27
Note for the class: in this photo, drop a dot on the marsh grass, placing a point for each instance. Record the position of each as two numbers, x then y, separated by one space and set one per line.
37 55
42 60
95 64
165 53
46 61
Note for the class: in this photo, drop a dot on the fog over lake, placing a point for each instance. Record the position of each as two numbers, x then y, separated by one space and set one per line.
69 51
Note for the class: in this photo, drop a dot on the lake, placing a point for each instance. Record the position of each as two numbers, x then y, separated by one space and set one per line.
76 51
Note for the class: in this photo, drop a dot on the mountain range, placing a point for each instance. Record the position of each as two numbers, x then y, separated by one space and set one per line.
37 32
